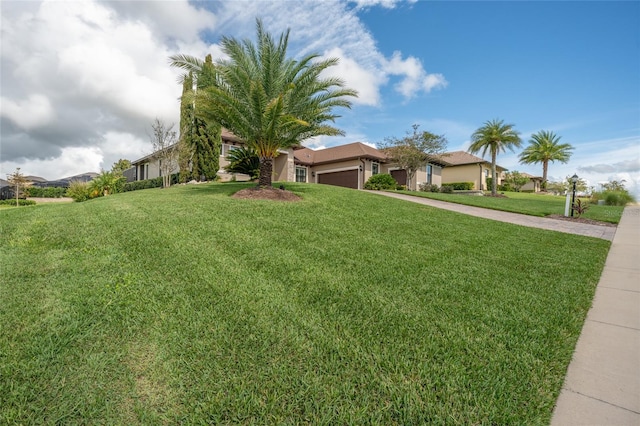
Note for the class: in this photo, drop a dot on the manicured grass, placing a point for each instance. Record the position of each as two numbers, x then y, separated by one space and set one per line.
526 203
187 306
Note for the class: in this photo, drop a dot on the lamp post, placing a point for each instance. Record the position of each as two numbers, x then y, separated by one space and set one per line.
574 180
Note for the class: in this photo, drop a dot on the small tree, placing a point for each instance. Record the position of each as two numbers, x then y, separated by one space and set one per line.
120 166
413 151
19 182
164 141
516 179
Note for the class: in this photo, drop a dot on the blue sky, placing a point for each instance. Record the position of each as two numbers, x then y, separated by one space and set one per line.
82 81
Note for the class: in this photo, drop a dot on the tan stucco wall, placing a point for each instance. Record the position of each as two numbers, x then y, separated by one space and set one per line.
466 173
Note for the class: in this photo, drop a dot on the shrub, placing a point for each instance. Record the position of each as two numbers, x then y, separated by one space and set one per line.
149 183
49 192
21 202
461 186
446 189
380 182
617 198
429 187
505 187
78 190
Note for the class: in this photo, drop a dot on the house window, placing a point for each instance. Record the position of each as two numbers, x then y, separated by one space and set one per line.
301 174
375 168
226 149
429 173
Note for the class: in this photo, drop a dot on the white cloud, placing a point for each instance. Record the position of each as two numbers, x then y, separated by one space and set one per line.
387 4
33 112
366 82
414 77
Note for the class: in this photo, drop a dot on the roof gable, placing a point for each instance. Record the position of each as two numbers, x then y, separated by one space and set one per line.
338 153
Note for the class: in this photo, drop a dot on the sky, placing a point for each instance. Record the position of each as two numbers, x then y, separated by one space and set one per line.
82 81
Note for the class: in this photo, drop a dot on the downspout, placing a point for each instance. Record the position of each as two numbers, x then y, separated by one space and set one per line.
361 174
480 181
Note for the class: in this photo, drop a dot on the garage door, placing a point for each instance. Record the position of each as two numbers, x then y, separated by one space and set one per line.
400 176
347 178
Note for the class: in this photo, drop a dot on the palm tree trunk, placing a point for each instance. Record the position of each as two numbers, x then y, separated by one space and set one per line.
545 166
494 178
266 170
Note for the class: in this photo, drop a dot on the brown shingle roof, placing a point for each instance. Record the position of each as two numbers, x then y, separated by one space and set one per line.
338 153
459 158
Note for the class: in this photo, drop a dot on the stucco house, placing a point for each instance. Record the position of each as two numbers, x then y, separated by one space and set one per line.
464 167
349 165
534 184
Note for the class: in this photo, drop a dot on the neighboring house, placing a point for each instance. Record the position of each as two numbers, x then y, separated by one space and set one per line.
148 167
534 184
464 167
351 165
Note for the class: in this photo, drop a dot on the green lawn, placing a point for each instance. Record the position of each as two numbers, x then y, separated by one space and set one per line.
526 203
187 306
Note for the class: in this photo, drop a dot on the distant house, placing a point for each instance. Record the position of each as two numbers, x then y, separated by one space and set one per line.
534 184
464 167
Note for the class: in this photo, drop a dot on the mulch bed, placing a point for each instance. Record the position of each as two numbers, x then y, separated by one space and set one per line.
266 193
580 220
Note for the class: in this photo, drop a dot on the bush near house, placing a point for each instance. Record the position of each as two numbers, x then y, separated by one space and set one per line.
52 192
461 186
429 187
149 183
381 181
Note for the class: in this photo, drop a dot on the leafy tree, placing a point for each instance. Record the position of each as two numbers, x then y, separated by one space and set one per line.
567 185
413 151
164 141
614 185
545 146
266 99
494 137
243 160
19 182
516 179
120 166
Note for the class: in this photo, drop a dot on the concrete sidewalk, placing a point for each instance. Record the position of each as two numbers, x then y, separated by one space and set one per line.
597 231
602 386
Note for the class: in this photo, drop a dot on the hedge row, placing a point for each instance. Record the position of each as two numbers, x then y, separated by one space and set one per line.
52 192
149 183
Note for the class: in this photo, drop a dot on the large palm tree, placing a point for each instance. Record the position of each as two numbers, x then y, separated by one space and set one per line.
545 146
494 136
268 100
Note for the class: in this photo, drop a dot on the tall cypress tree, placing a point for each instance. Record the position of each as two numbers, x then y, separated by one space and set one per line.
201 140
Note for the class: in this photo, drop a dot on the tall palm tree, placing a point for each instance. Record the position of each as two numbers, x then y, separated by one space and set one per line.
266 99
495 137
545 146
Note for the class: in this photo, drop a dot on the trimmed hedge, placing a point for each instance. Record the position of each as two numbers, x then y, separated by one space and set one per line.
21 202
460 186
49 192
149 183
